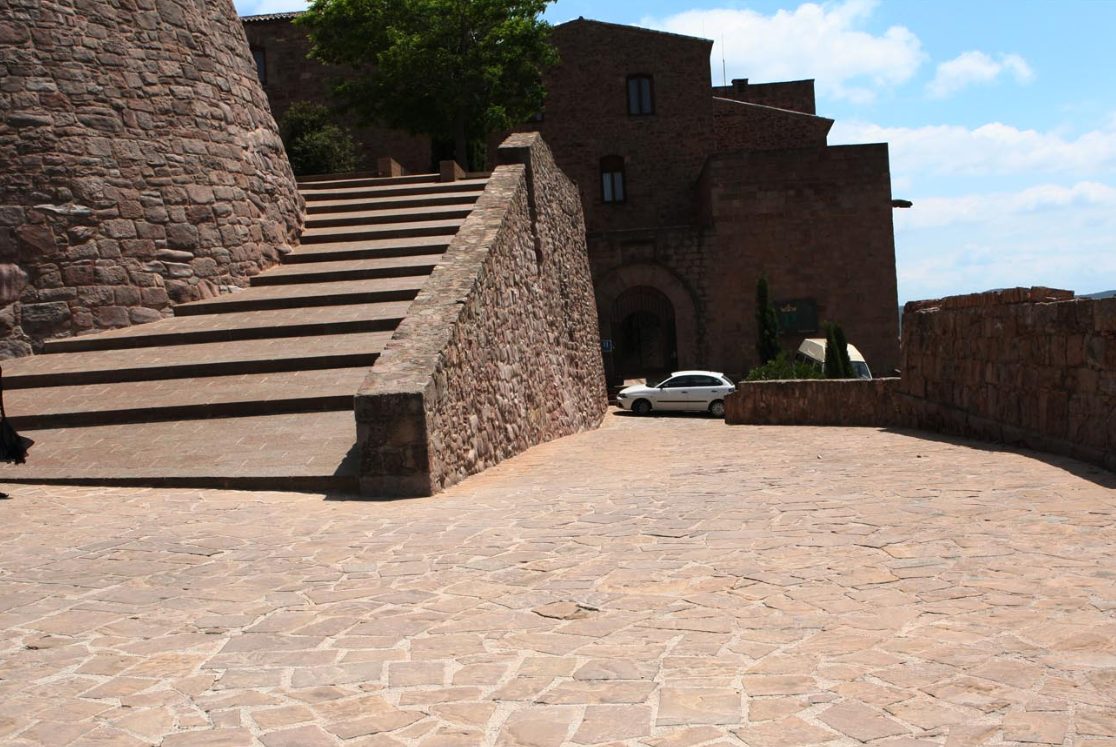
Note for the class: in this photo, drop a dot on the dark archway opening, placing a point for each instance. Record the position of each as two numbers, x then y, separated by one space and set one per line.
644 336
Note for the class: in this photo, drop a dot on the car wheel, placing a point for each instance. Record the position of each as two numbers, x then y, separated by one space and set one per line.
641 407
717 409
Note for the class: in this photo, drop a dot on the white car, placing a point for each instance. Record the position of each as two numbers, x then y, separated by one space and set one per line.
695 391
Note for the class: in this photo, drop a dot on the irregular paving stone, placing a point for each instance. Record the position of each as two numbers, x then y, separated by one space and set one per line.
860 722
537 727
303 736
1036 728
1096 723
214 738
281 573
564 610
786 733
604 723
698 706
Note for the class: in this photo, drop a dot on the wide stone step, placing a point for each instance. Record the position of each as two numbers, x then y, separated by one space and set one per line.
376 216
297 451
369 249
308 294
391 203
200 398
313 194
243 325
361 178
198 360
387 231
355 269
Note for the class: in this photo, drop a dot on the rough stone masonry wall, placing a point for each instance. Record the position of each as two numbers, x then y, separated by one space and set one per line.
139 164
500 350
849 402
1029 367
744 126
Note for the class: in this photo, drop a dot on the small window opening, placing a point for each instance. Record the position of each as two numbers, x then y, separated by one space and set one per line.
612 179
641 95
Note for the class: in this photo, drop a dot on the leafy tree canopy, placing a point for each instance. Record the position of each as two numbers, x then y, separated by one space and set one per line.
314 144
455 70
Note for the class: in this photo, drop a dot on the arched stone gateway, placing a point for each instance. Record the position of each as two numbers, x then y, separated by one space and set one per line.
644 337
650 318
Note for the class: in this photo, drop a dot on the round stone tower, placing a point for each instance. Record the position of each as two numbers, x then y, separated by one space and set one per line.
140 165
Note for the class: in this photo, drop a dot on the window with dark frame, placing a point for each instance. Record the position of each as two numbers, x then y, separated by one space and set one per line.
612 179
261 64
641 95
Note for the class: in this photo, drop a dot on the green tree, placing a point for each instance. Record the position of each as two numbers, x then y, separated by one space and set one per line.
314 144
837 362
455 70
783 367
767 324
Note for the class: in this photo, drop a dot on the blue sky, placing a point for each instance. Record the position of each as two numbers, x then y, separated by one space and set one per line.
1001 119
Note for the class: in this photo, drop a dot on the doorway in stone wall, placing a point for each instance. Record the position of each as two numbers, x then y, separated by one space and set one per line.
644 336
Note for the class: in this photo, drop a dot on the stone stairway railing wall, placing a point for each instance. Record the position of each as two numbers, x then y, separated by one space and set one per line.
500 350
1026 367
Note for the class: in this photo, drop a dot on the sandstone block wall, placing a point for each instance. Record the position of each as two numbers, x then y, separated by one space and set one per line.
817 222
793 95
744 126
139 164
1031 367
500 350
815 402
586 118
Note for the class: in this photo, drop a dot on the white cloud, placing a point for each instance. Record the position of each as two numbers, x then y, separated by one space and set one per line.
1002 207
825 42
975 68
991 149
1063 237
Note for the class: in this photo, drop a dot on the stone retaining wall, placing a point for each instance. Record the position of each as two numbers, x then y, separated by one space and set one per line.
139 164
1030 367
1027 367
500 350
814 402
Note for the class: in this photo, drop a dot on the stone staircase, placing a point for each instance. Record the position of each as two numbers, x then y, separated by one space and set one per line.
252 389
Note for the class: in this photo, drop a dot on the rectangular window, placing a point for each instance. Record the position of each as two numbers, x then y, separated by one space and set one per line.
612 179
261 64
641 99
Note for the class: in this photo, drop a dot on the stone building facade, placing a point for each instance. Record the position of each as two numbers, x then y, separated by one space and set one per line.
139 164
690 193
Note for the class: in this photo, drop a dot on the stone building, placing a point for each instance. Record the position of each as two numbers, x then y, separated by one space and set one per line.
690 192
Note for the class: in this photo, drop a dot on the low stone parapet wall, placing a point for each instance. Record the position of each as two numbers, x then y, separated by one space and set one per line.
1031 367
500 350
869 402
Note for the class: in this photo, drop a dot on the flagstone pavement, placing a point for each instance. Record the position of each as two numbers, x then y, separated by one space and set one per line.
667 582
